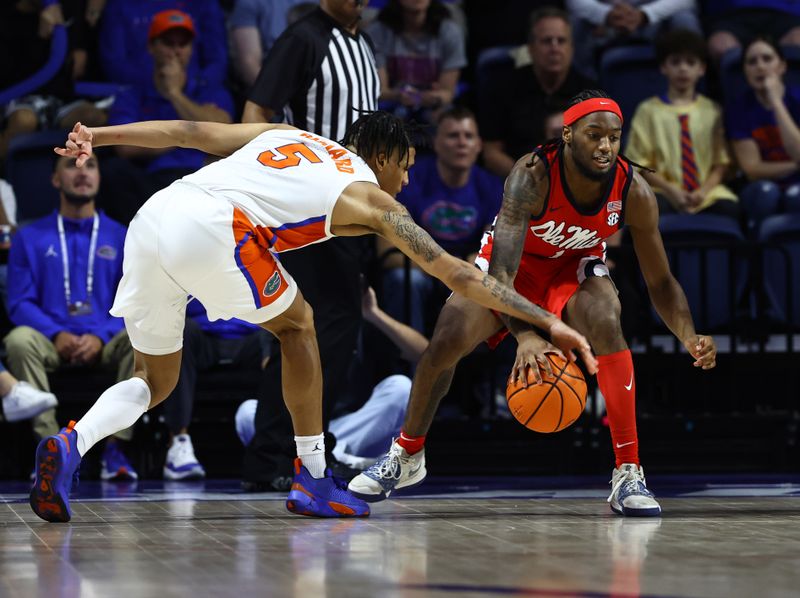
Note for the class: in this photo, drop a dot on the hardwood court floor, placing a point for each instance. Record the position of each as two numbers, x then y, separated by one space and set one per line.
490 537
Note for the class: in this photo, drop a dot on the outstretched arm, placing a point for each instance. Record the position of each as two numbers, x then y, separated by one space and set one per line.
218 139
665 291
386 217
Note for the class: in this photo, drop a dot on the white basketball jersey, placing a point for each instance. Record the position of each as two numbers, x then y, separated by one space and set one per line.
287 182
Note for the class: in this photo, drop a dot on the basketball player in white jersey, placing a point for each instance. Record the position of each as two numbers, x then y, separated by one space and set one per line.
212 235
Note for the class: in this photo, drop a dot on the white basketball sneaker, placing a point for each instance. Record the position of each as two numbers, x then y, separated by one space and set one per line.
629 494
396 469
181 464
26 401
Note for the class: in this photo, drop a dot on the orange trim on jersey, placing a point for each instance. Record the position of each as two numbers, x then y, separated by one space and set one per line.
256 263
296 234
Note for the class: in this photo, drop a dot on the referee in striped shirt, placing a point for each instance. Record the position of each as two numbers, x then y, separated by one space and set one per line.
318 76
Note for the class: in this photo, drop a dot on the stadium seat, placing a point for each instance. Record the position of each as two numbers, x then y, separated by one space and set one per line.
55 60
702 256
29 165
780 235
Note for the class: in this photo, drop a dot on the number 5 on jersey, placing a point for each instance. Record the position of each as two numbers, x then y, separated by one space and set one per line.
287 156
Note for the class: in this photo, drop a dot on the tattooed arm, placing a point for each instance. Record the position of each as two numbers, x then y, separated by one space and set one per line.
523 194
382 215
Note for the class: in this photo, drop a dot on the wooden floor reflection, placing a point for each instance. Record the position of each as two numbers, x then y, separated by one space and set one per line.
201 541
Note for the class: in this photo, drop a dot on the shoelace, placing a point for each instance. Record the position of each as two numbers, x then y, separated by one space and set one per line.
631 476
387 467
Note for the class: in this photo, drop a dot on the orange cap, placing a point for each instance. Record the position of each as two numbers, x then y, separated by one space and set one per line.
169 19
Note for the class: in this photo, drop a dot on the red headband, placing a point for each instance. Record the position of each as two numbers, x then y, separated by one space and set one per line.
581 109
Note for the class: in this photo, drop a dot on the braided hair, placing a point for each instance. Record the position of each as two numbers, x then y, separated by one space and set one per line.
555 142
376 132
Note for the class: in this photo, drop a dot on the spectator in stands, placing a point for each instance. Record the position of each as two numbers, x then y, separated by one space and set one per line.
20 400
63 272
254 27
679 134
734 22
513 125
600 24
206 344
305 82
125 40
26 29
172 92
762 127
452 198
420 52
371 411
553 124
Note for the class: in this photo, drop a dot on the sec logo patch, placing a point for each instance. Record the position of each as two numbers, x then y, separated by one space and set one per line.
613 218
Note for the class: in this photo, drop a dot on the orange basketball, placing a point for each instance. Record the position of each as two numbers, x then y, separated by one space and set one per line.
555 403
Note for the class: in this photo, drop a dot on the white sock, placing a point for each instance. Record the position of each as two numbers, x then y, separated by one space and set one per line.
311 450
117 408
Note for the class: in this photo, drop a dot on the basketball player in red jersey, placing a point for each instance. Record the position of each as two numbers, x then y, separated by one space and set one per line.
559 205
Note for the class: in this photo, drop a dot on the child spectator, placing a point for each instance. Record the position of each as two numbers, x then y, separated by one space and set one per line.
679 134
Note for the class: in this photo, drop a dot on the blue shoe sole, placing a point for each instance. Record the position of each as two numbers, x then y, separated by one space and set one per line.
300 503
48 499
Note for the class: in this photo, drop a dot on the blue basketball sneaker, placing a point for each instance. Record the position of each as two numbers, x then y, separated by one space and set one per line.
114 465
629 494
57 461
323 497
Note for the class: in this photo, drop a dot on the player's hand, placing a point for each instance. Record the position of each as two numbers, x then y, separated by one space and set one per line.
531 363
567 340
703 349
78 145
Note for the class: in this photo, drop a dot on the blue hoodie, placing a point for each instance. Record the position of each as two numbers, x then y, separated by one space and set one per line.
36 276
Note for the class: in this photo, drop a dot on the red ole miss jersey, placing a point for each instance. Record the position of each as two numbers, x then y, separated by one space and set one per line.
565 244
563 227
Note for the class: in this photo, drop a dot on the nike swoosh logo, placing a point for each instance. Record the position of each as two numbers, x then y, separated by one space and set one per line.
553 209
414 471
625 443
629 384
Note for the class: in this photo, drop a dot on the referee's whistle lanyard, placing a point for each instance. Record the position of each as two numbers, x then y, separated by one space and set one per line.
79 307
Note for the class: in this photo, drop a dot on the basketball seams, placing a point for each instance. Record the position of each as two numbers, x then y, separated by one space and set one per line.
576 384
541 402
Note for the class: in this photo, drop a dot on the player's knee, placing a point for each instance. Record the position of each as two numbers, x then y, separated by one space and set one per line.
450 343
604 323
